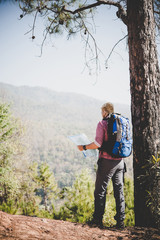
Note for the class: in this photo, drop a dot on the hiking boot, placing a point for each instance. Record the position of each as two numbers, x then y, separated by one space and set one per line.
95 223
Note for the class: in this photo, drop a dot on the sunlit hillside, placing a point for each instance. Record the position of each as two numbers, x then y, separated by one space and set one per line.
49 118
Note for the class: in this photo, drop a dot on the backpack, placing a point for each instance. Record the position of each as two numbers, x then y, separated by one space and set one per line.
119 144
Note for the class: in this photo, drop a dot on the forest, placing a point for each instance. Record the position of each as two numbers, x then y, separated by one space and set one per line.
42 172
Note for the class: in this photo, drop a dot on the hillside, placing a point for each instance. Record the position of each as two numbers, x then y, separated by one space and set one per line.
49 118
31 228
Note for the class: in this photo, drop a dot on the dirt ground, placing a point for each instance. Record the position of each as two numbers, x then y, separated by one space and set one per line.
16 227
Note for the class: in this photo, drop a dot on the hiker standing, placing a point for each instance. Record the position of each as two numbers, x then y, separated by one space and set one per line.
108 168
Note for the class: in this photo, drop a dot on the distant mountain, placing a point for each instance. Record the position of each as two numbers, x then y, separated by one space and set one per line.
50 117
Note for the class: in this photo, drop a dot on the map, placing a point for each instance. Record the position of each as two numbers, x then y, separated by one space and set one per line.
82 139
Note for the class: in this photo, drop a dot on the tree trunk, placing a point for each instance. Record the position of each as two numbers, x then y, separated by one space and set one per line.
145 98
45 197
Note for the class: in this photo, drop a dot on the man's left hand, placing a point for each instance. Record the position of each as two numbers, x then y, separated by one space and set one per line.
80 147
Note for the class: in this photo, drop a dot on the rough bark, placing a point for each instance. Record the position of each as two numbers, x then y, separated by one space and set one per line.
145 98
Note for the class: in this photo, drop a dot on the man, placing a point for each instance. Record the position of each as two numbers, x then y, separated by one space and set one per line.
108 168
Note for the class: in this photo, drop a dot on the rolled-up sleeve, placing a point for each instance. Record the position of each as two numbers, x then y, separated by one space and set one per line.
99 135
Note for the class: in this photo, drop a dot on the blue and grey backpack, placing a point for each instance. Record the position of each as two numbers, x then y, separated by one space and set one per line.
119 144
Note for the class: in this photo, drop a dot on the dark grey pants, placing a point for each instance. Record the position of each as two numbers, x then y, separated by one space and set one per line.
109 169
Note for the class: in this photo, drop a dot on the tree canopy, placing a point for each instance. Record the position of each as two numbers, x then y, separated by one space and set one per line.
74 16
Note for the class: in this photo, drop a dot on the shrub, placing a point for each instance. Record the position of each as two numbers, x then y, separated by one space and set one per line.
79 199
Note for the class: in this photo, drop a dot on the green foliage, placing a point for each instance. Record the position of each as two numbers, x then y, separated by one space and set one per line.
9 206
9 185
9 134
129 204
151 180
46 185
129 201
79 199
78 203
16 189
110 210
58 15
9 148
29 208
28 201
47 213
6 121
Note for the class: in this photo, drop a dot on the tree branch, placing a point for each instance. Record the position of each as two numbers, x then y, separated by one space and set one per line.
106 63
156 12
94 52
121 13
73 20
81 9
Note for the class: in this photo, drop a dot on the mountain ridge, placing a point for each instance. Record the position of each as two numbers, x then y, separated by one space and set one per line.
49 92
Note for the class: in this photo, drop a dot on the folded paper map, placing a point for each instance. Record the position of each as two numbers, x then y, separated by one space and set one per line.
82 139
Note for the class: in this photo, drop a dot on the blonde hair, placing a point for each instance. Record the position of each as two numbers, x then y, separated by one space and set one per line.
108 107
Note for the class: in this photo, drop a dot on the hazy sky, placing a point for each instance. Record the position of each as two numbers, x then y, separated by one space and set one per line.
62 63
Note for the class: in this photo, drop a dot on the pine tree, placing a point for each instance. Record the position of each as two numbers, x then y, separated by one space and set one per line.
10 131
46 184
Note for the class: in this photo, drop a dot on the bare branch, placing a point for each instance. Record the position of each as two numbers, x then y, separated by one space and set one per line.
106 63
34 23
45 36
95 52
33 26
